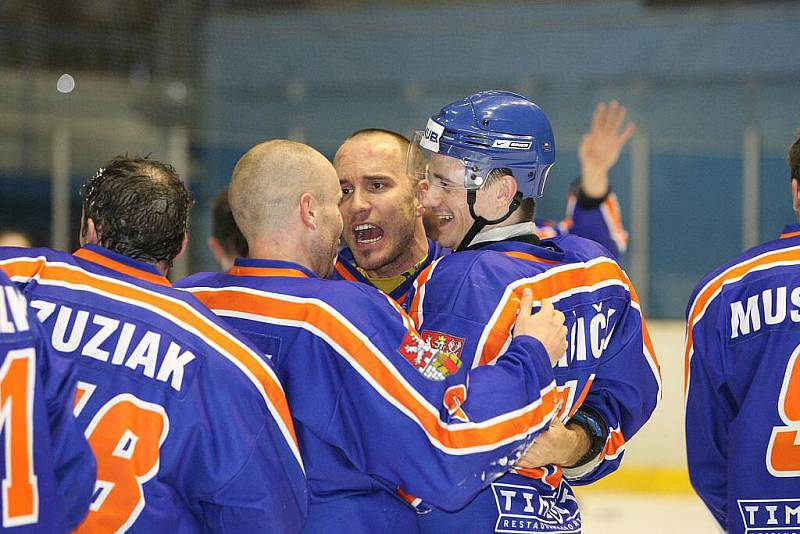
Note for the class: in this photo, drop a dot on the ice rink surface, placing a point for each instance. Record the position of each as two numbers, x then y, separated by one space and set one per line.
637 513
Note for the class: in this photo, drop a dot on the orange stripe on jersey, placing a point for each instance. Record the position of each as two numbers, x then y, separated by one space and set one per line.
380 374
789 234
238 270
343 272
581 397
617 229
28 269
410 499
177 309
545 288
614 443
530 257
711 289
648 343
94 257
540 473
424 276
545 233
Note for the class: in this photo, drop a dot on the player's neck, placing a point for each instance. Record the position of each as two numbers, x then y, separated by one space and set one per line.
281 251
416 252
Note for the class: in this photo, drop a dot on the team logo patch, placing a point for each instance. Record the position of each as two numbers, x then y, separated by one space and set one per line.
770 516
449 348
435 355
524 509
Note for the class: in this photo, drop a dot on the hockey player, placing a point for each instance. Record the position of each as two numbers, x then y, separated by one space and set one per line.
48 468
743 384
188 422
226 242
488 157
387 243
366 393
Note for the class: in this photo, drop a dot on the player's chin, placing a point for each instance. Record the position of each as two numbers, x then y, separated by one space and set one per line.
449 238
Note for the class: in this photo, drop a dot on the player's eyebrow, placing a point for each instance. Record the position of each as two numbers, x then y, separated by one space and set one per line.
439 176
379 176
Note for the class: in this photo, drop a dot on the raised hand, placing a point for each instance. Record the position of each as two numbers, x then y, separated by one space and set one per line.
601 146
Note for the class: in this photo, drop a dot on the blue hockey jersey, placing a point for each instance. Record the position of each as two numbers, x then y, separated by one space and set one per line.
48 469
743 389
369 397
609 365
597 219
188 422
600 221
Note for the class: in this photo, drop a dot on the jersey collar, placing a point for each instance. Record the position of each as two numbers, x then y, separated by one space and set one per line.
121 264
502 233
259 267
791 230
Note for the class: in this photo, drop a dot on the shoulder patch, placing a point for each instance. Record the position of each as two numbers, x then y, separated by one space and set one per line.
435 355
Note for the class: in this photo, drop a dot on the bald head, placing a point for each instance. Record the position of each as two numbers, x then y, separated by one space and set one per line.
269 180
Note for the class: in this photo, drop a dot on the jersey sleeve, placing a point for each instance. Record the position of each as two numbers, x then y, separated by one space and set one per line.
709 411
74 463
624 392
257 495
382 398
597 219
241 470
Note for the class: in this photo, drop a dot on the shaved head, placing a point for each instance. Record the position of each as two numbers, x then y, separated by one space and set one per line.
268 181
285 199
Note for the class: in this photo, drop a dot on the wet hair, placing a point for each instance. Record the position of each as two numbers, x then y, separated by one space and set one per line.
794 158
140 208
224 229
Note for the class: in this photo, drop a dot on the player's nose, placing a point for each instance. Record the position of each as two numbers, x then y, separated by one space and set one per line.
431 197
359 200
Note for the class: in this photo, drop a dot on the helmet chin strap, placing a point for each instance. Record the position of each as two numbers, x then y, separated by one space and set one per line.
479 222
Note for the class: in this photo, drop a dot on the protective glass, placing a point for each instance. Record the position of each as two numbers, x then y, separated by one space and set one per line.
474 167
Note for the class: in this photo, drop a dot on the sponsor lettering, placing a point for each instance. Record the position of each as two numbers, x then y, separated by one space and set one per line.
523 509
773 516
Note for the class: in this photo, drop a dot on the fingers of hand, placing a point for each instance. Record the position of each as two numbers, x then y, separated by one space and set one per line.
616 117
526 301
599 117
627 133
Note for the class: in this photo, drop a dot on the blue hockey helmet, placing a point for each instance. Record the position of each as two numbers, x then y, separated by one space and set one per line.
492 130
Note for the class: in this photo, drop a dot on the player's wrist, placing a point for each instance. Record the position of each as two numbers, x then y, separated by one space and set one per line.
594 183
580 445
594 428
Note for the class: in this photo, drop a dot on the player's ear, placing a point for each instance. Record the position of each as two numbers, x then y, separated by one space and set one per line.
308 210
507 188
420 190
796 196
88 233
184 244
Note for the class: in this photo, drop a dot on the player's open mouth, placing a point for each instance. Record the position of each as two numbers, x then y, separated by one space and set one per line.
367 234
444 218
